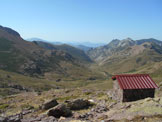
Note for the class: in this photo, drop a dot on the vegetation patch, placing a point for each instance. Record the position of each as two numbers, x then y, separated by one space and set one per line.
3 106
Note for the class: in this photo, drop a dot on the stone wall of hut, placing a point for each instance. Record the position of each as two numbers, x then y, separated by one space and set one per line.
117 92
137 94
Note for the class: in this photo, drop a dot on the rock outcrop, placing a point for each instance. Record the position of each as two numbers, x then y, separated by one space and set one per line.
60 110
49 104
78 104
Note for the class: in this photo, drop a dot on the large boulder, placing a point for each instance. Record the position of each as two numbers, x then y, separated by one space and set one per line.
49 104
60 110
78 104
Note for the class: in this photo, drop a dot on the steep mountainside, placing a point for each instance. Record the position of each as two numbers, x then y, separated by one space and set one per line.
18 55
75 52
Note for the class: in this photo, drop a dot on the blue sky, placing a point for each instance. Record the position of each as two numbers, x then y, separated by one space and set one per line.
83 20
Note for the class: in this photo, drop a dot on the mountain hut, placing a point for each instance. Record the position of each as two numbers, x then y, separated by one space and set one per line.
132 87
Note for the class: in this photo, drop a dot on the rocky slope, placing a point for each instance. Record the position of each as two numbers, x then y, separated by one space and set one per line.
80 105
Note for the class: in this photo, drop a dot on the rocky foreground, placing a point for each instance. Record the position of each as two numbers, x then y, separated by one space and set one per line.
77 105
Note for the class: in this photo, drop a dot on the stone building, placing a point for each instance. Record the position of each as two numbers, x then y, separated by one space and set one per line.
132 87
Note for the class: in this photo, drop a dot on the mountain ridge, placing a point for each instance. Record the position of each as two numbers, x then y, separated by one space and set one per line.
141 56
75 52
117 45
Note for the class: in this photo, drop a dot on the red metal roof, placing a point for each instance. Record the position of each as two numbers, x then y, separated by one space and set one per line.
135 81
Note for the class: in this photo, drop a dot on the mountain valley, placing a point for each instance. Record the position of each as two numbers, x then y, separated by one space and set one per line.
37 73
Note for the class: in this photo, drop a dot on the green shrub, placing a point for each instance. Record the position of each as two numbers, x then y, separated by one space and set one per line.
3 106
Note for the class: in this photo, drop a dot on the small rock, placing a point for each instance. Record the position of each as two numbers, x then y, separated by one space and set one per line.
76 121
157 100
57 87
49 119
91 100
92 78
49 104
148 99
14 118
102 117
61 118
112 104
126 106
26 112
8 76
85 116
100 109
39 93
60 110
58 80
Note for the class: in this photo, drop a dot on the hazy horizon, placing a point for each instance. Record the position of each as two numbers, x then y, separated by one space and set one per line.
83 21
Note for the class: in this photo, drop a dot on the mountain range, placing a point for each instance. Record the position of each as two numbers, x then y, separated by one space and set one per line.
130 56
117 46
51 62
125 56
81 45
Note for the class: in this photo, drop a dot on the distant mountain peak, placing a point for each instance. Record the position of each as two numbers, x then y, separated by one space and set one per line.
129 39
10 31
115 40
114 43
126 42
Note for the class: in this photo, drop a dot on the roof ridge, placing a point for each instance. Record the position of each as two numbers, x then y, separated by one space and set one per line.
133 75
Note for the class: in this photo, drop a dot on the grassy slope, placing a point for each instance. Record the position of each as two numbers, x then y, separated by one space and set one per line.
80 79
